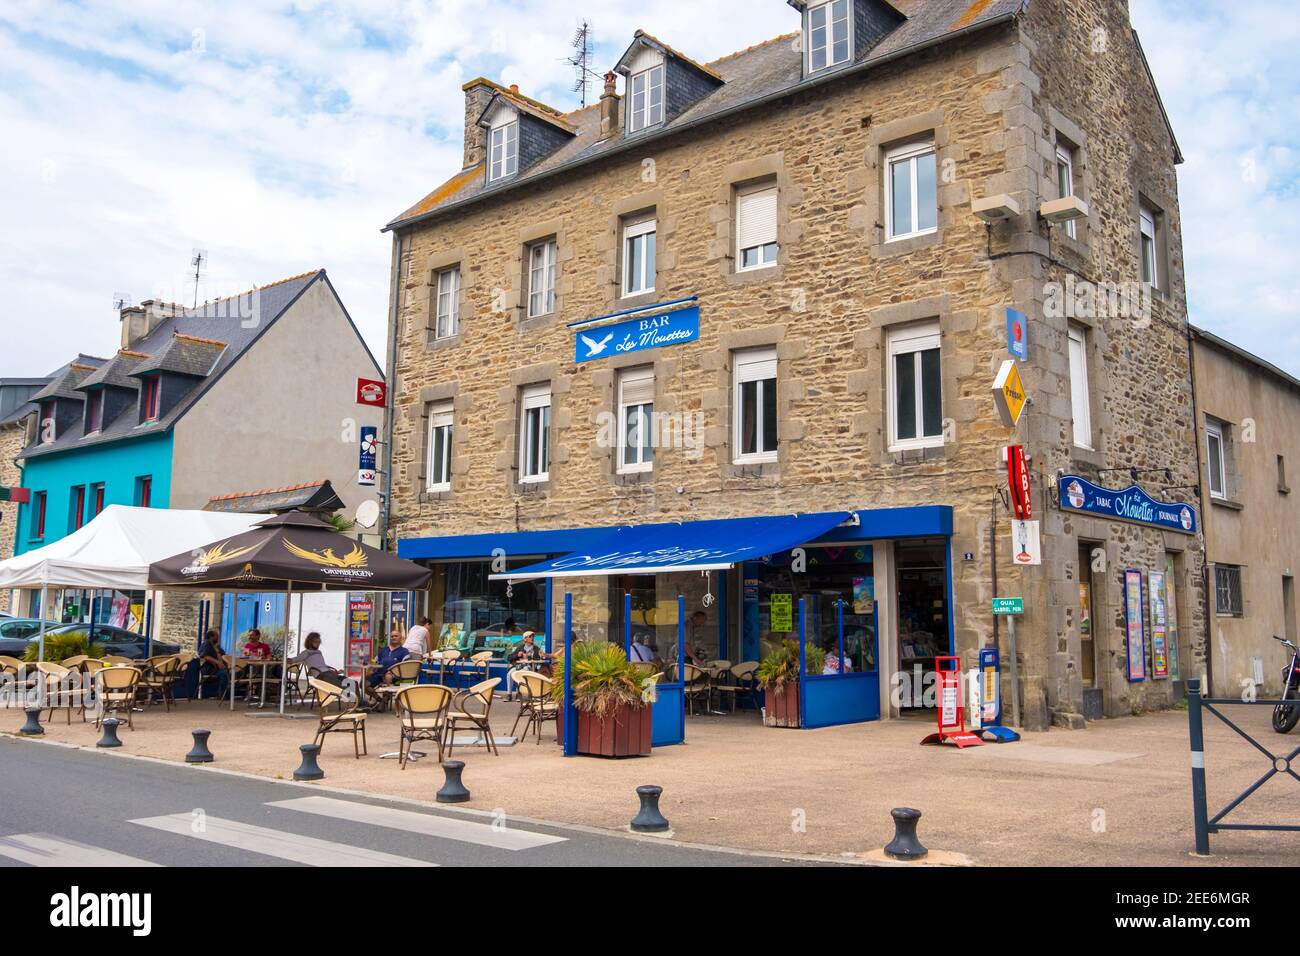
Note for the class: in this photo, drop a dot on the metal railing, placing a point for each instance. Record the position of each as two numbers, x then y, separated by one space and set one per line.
1278 764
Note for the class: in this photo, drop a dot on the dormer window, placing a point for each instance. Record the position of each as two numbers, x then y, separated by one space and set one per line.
94 412
46 427
646 99
152 398
828 35
503 155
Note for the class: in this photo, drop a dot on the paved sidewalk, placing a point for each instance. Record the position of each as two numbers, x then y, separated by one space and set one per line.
1117 793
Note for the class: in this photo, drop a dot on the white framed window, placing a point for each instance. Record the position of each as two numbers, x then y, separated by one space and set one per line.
1080 392
535 433
541 277
1065 182
440 425
911 191
829 37
756 215
447 321
754 402
646 99
1148 236
1216 459
915 387
636 405
503 154
639 256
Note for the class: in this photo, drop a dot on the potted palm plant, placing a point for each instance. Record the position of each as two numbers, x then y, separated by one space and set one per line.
612 698
778 675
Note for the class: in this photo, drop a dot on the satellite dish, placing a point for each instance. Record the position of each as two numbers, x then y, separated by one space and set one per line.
368 513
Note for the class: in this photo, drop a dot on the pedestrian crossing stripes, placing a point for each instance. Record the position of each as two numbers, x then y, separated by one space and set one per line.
409 821
42 849
283 845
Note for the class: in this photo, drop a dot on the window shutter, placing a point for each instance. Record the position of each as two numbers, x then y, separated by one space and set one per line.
756 217
638 387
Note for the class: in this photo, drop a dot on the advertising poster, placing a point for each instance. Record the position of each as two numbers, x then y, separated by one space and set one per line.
1135 632
1171 627
118 615
1159 626
1026 544
782 613
863 595
361 613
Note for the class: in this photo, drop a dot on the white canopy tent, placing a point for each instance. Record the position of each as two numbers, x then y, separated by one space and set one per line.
114 550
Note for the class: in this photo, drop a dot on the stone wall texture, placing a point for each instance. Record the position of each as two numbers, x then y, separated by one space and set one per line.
11 443
993 103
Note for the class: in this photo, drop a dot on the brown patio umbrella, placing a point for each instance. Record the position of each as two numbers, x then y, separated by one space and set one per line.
291 552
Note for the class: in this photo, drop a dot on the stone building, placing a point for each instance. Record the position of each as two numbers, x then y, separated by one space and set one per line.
778 283
1248 410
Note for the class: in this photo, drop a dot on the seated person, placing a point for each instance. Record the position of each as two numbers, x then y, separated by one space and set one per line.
388 656
314 660
642 652
255 647
525 657
210 664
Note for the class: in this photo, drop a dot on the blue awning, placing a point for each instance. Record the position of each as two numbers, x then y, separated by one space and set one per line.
683 546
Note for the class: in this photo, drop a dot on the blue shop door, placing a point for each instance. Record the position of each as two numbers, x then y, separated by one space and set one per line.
242 612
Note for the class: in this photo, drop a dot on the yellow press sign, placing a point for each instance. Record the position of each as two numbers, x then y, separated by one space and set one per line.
1009 394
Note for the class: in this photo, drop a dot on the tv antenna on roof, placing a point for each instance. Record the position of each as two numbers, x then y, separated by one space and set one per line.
121 300
581 60
198 260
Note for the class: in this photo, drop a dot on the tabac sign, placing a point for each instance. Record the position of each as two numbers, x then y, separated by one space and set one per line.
637 335
1132 504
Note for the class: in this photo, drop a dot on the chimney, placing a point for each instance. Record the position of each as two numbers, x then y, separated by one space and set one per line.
609 108
139 320
477 94
133 329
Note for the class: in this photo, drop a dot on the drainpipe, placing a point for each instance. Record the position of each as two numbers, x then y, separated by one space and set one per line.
1205 539
394 311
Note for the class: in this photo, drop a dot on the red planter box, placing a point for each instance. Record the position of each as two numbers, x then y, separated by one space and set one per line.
781 705
624 732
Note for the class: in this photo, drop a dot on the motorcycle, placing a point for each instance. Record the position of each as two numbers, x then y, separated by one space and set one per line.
1285 716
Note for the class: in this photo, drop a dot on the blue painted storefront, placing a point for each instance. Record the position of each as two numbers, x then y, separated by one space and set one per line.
118 467
826 699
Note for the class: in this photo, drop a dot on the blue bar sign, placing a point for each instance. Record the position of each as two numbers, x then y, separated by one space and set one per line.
637 335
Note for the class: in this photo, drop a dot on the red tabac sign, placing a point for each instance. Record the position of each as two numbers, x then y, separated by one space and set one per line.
370 392
1018 479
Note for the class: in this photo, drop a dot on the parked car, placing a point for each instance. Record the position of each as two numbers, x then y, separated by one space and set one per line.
14 633
114 640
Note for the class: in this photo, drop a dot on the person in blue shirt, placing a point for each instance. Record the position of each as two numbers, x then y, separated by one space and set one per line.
394 653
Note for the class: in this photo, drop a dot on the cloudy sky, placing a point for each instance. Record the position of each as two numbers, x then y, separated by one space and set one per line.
279 137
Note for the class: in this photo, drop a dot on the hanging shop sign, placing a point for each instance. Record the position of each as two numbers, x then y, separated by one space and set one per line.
368 458
1018 334
370 391
1018 480
637 335
1132 504
1135 631
1009 394
1026 544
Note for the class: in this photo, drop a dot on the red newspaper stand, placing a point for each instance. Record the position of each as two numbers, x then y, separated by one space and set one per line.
952 715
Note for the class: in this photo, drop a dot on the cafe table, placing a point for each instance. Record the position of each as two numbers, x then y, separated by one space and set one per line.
264 663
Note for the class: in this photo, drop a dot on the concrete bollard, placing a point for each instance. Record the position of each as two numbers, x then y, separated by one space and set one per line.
200 753
648 818
110 739
905 845
309 769
33 726
453 791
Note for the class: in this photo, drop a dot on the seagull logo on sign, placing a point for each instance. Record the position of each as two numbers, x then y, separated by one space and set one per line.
594 347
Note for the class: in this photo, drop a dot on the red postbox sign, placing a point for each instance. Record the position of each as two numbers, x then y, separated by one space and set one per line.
1018 480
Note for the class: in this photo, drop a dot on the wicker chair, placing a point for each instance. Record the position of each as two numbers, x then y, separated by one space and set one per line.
473 708
337 716
117 686
448 661
160 675
741 681
535 702
63 689
478 666
695 684
422 709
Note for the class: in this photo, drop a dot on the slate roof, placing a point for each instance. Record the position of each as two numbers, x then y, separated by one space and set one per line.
22 411
183 342
751 77
116 371
66 382
309 496
183 355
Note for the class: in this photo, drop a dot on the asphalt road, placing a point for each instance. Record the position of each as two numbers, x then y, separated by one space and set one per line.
64 807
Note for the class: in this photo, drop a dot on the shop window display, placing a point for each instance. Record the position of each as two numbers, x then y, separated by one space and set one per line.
472 613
